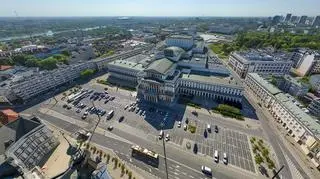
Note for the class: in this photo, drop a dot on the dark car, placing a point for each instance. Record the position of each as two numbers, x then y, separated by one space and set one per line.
121 118
216 129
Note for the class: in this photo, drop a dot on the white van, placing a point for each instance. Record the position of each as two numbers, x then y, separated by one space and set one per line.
216 156
225 158
206 170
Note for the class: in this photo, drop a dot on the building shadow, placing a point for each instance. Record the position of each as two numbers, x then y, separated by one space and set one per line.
160 116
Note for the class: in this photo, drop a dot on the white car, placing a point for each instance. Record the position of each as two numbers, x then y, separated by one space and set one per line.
126 107
185 127
206 170
160 134
225 158
167 137
110 128
179 124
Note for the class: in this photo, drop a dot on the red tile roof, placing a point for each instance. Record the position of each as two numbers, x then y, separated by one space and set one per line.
11 115
5 67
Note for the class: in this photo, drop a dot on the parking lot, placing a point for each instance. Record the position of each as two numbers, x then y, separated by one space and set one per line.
232 142
235 144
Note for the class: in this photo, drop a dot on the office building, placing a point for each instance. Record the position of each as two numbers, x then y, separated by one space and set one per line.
300 126
308 64
259 62
276 19
183 41
292 86
302 20
294 19
125 71
316 21
314 107
288 17
40 82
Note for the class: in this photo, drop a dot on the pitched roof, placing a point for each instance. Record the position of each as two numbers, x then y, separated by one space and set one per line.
160 66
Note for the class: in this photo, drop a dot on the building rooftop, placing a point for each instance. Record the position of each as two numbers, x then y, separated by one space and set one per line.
5 67
261 55
161 66
10 114
181 37
271 88
306 120
128 64
211 79
175 50
15 130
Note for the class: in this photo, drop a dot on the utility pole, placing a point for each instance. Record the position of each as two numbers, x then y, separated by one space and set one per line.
276 174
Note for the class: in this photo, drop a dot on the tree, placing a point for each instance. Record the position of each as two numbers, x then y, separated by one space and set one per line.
87 73
258 159
108 158
66 53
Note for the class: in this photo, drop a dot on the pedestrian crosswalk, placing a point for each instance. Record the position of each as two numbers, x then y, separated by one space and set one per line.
294 171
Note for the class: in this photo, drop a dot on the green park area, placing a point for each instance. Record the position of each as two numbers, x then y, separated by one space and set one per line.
229 111
280 41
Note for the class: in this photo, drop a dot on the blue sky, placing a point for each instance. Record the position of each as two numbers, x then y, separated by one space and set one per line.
158 7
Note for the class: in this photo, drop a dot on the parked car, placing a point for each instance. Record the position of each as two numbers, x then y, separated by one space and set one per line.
167 137
185 127
225 158
110 128
78 110
125 108
161 135
179 124
216 129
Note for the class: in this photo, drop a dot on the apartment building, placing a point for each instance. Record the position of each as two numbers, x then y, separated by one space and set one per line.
298 124
43 81
261 62
314 107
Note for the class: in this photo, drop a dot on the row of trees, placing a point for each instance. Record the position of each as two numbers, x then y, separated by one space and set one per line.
31 61
229 111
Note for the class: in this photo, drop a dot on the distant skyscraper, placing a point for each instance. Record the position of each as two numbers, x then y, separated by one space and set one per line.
294 19
276 19
288 17
316 21
303 19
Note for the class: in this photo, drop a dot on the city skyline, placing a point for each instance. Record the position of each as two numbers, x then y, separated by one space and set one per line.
231 8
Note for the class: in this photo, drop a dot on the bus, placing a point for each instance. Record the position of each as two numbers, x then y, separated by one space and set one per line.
110 114
145 155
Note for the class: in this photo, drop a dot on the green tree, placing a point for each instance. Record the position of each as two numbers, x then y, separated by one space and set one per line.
258 159
87 73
